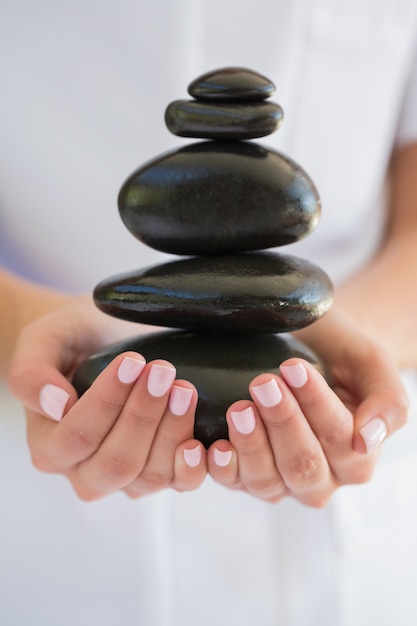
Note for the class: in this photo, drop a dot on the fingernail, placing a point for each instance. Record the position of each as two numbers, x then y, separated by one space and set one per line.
53 400
294 375
160 379
222 458
130 369
192 457
244 421
268 394
180 399
373 433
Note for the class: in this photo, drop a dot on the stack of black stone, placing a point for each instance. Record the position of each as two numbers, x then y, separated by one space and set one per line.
218 203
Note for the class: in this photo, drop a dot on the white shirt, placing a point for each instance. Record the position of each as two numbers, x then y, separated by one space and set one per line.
84 87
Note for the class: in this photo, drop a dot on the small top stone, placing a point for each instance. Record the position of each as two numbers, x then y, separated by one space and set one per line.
231 84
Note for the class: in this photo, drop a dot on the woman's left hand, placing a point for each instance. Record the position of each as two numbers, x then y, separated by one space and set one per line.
299 436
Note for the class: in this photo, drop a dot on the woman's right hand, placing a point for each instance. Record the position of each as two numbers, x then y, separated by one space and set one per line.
132 430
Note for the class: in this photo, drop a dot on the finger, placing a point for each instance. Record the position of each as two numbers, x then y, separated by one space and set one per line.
190 466
331 421
49 348
176 426
378 417
385 407
298 454
257 470
44 354
58 446
123 454
370 371
222 464
328 417
190 469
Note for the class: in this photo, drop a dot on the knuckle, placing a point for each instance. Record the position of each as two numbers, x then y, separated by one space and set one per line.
133 495
306 469
43 463
117 469
318 500
141 420
85 493
18 374
189 486
266 489
73 438
107 406
360 474
280 420
335 436
155 481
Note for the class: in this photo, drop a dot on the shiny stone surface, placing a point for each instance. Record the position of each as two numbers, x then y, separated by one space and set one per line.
189 118
218 198
231 84
260 293
220 365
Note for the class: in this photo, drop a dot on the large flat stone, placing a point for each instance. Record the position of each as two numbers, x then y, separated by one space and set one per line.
189 118
258 292
221 366
219 197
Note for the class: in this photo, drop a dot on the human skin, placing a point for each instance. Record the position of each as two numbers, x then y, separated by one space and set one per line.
363 347
312 440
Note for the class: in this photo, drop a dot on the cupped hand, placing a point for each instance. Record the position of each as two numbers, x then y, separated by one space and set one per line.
301 437
132 430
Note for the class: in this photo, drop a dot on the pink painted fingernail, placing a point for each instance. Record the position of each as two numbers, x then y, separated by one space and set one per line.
268 394
222 459
160 379
130 369
373 433
192 457
53 401
294 375
180 399
244 421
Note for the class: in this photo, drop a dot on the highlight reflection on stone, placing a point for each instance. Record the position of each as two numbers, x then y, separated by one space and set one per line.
189 118
219 198
260 293
220 365
231 84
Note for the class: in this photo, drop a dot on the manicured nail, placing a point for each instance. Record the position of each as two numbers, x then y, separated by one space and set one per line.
130 369
222 459
244 421
294 375
180 399
53 400
373 433
268 394
192 457
160 379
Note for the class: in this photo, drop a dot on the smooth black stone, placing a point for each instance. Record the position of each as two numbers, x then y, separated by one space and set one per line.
218 198
260 293
189 118
231 84
220 365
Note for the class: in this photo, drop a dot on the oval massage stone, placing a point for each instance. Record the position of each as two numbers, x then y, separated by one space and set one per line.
258 293
219 198
220 365
189 118
231 84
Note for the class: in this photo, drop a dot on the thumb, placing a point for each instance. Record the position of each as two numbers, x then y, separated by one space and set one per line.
36 375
